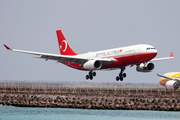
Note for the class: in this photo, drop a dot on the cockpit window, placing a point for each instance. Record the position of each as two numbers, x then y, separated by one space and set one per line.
150 48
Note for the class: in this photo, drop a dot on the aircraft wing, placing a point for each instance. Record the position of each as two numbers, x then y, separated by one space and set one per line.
61 58
165 58
171 78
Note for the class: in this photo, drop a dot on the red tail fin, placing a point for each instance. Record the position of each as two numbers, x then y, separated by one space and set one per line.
64 46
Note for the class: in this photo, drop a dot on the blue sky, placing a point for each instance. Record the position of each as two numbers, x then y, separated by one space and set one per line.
88 25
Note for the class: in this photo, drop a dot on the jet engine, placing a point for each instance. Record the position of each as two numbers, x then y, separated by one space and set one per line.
172 85
147 67
92 65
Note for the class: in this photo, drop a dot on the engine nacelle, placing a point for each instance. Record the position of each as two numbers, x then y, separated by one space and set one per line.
148 67
92 65
172 85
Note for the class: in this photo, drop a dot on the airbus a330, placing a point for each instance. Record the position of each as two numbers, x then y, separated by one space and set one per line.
141 55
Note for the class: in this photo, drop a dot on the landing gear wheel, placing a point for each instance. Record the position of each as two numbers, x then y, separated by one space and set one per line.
124 75
91 77
121 78
87 77
94 73
117 78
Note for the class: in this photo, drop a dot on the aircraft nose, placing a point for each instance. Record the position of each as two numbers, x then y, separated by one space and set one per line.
155 51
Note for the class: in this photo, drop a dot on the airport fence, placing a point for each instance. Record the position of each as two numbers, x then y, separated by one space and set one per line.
87 88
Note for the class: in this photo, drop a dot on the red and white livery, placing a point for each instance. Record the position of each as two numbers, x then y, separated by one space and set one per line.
118 58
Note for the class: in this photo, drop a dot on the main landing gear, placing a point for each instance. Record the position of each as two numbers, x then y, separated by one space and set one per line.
90 75
121 75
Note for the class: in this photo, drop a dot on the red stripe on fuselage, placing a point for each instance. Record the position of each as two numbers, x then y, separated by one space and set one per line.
122 61
130 60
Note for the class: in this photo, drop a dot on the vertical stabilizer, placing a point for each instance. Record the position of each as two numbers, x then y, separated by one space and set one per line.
64 46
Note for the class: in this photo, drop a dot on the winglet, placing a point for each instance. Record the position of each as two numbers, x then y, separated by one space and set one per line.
171 55
8 48
159 75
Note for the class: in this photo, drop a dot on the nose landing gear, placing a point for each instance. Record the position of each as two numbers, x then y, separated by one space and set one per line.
90 75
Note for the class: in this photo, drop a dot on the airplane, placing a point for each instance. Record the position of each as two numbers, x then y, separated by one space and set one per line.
170 81
118 58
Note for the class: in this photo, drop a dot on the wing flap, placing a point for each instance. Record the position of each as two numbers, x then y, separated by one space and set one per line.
63 58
